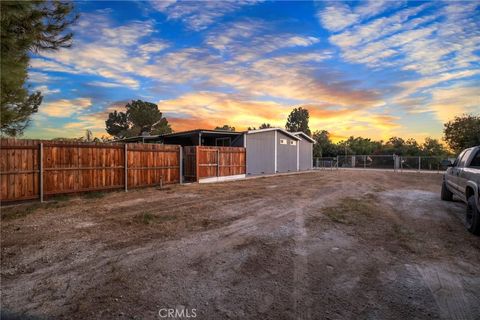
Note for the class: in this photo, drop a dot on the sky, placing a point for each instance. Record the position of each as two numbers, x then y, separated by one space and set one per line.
373 68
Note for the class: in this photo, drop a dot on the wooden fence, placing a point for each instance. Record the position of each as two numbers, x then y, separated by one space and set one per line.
32 169
205 162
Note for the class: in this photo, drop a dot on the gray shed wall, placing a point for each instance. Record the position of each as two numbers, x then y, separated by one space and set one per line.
286 154
261 153
305 154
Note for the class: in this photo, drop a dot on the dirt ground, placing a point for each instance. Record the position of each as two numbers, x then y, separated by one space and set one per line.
321 245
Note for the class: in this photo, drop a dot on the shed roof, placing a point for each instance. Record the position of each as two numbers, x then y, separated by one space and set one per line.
197 131
291 135
179 134
303 134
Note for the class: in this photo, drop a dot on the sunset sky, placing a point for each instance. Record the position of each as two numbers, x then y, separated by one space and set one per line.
375 69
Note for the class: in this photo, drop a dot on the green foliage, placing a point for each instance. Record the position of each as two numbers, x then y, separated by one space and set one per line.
225 127
140 117
359 145
27 26
433 147
265 126
323 147
262 126
298 121
117 124
462 132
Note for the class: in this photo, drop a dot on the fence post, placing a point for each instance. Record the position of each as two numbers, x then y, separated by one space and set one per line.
197 165
419 163
218 162
126 168
40 178
180 164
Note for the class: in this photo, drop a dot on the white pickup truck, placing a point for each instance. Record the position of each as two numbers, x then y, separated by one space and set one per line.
462 179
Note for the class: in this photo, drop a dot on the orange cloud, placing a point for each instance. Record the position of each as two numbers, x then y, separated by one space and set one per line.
64 107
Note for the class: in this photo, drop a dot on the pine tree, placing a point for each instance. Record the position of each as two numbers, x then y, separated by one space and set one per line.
140 117
27 27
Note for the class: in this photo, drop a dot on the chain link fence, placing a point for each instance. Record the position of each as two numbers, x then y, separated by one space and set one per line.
385 162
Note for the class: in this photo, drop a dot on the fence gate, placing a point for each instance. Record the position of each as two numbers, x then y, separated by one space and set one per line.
190 164
203 162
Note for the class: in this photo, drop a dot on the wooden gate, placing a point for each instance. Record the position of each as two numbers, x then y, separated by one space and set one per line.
206 162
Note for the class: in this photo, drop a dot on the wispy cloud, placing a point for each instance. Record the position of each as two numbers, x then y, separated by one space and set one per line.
200 14
414 43
105 84
454 100
262 38
40 77
64 107
337 15
114 53
45 90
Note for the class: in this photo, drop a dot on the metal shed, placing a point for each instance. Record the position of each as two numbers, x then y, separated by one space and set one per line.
275 150
305 151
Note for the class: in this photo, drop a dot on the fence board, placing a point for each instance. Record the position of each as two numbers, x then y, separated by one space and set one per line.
79 167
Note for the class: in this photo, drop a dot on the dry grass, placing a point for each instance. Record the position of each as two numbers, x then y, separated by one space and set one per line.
351 211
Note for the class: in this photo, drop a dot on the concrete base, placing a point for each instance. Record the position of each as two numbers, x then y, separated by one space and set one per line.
220 179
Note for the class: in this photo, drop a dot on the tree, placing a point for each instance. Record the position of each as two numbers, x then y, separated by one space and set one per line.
27 27
265 126
433 147
225 127
411 148
117 124
140 118
298 121
395 145
462 132
262 126
362 146
323 147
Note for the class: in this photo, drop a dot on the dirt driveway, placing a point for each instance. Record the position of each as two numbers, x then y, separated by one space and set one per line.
323 245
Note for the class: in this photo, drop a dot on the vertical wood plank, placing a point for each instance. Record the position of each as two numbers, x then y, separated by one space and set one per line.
126 167
40 177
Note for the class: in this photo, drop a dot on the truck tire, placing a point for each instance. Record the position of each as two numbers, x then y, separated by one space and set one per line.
472 217
446 195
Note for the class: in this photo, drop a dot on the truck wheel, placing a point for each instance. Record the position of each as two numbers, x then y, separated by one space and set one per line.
472 217
446 195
